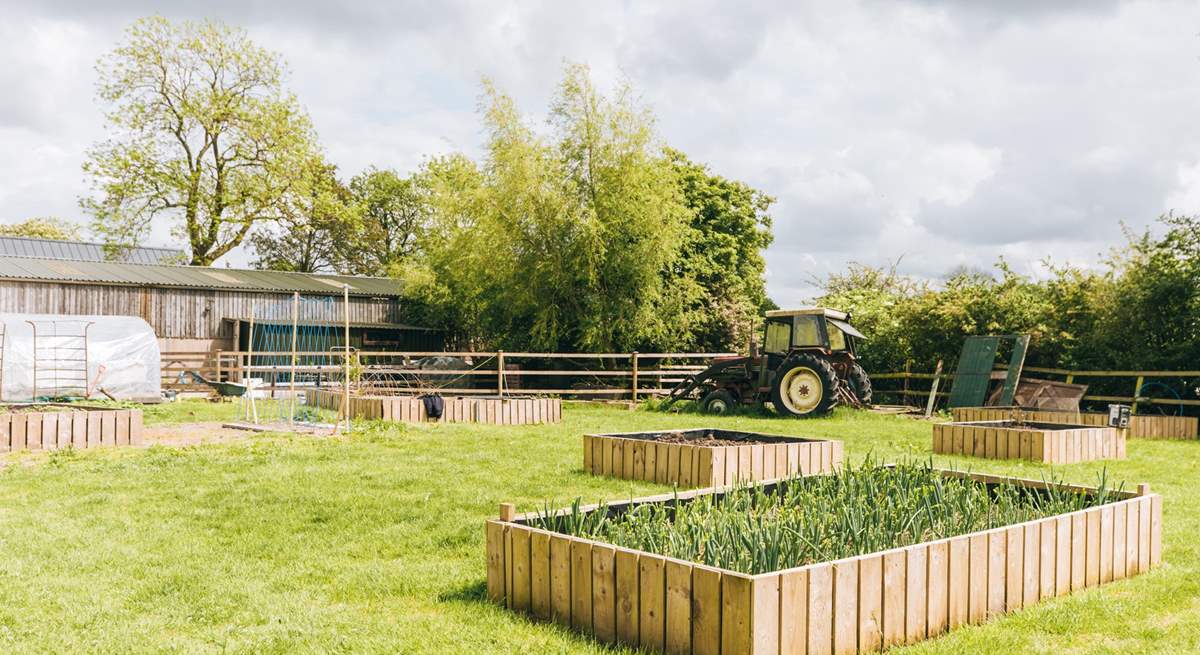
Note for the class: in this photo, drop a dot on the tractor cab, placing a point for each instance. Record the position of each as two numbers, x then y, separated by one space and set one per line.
813 328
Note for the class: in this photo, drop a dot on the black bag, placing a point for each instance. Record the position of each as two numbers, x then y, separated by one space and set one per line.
433 406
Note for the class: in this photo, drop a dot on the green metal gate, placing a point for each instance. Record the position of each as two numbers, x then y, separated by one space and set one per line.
976 363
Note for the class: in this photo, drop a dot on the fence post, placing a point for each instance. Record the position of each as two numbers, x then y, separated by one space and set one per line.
633 357
500 373
907 366
1136 390
933 389
219 365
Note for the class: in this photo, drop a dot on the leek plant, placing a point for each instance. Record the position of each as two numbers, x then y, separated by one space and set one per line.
857 510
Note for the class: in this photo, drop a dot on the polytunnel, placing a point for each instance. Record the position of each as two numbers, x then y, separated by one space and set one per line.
46 356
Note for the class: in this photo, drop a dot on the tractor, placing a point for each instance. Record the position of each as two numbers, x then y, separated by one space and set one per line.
806 367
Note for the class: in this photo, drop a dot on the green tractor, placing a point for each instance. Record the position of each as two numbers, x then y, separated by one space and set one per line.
806 367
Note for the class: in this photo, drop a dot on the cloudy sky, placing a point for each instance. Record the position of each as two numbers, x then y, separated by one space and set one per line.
929 132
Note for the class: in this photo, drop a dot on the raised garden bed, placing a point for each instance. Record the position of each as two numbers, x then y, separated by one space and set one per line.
1053 443
707 457
1141 426
854 604
457 409
54 426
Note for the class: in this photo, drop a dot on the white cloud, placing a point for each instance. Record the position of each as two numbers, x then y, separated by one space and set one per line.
945 133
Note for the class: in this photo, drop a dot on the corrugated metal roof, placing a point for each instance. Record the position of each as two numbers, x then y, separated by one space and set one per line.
336 324
192 277
77 251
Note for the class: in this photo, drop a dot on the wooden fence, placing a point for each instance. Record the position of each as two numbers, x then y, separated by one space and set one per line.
588 375
909 382
854 605
411 409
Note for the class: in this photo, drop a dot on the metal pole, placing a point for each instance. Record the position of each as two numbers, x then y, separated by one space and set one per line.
292 373
250 363
346 360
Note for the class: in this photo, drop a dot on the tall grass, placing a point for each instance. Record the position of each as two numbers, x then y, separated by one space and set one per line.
821 518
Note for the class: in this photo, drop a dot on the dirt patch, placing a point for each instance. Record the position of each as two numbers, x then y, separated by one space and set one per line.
705 439
191 434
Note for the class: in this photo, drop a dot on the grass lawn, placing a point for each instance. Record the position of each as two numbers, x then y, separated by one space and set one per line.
374 543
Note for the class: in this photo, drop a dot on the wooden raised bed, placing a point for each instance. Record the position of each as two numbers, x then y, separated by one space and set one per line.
854 605
1141 426
1052 443
62 426
457 409
641 456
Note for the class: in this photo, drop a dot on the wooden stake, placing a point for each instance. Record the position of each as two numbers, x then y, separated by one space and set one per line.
633 357
346 382
933 389
500 372
292 373
508 511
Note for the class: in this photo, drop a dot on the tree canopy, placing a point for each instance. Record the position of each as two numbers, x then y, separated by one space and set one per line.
42 228
1140 312
203 134
585 233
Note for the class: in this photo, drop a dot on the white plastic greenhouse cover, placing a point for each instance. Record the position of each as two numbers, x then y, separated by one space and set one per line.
122 357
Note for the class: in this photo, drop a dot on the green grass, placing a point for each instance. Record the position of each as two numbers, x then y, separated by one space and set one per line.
374 543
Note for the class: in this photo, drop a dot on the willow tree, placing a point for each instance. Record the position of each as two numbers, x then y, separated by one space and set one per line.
558 238
203 135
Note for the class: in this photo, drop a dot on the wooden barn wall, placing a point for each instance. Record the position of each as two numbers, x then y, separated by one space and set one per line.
179 314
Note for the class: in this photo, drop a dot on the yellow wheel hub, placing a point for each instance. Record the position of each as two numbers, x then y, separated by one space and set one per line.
801 390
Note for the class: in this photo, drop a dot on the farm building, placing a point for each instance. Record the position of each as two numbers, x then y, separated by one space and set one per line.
197 309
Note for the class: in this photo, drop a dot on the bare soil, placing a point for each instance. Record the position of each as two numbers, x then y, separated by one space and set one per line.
191 434
706 439
34 409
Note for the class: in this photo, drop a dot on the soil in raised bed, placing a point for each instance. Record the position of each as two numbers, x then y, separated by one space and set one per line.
706 439
712 438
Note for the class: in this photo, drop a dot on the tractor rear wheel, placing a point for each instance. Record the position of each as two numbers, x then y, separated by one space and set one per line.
805 385
860 384
718 401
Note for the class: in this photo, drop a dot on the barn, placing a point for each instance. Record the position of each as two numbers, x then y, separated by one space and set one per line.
194 309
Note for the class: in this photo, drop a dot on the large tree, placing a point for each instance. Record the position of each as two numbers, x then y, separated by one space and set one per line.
556 240
719 274
203 134
392 210
318 223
